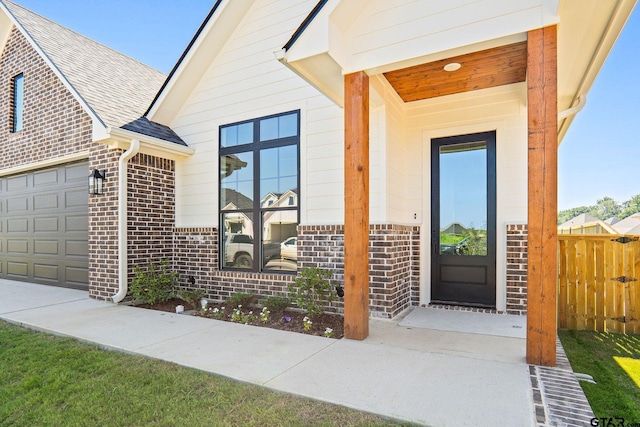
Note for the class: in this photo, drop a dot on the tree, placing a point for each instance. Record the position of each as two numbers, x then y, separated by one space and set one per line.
630 207
606 208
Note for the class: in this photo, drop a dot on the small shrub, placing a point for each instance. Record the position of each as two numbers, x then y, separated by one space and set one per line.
312 290
276 303
154 285
191 297
241 298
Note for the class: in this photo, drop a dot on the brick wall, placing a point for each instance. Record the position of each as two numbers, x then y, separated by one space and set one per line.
151 204
103 226
394 265
54 123
394 262
196 255
517 269
151 210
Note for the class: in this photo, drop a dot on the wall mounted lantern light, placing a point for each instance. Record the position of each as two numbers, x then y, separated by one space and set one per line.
96 181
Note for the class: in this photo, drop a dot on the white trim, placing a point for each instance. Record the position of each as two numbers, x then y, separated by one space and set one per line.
83 155
122 138
122 221
425 235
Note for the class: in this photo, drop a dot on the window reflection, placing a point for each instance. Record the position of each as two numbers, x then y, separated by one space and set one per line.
463 199
231 136
279 127
236 181
278 171
238 243
280 245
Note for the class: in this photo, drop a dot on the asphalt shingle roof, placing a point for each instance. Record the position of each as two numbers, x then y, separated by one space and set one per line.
117 88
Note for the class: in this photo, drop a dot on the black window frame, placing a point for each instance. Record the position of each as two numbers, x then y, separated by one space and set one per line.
255 147
17 108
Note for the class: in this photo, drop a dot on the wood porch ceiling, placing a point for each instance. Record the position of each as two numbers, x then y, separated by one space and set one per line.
498 66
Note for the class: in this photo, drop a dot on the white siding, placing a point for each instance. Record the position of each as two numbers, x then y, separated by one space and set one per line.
245 81
392 31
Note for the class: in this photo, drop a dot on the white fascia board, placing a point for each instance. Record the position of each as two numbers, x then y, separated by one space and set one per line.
617 22
5 29
85 106
117 138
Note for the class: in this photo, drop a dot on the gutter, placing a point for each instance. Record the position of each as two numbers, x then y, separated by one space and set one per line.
582 101
122 220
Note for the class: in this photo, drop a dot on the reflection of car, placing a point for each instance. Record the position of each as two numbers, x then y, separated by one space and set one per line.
238 250
280 265
459 248
289 248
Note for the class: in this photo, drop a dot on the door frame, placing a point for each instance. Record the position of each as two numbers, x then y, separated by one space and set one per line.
430 245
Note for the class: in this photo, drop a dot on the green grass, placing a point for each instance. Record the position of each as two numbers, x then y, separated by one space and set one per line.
47 380
613 360
450 239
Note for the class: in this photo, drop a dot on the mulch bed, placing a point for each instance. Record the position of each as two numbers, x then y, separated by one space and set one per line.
289 320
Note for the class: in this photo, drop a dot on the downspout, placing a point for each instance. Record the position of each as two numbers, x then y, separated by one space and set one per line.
134 148
582 101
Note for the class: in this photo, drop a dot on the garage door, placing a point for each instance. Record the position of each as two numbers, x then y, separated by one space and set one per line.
44 226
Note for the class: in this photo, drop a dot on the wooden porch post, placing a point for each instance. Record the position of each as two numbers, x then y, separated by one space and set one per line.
356 206
543 196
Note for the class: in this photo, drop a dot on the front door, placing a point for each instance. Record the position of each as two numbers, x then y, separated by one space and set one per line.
463 220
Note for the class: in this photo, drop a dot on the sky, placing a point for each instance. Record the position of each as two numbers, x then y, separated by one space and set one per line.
598 156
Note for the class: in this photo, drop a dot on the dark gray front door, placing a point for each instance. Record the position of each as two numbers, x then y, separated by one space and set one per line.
44 226
463 218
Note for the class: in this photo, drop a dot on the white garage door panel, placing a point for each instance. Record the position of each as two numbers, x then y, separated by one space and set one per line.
44 226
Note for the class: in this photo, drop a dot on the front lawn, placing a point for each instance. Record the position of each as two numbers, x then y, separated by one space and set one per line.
613 360
47 380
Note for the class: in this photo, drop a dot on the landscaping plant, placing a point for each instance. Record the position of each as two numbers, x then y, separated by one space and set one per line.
276 303
192 297
312 290
153 284
241 298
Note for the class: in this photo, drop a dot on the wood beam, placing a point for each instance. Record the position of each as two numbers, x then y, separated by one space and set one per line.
356 206
542 95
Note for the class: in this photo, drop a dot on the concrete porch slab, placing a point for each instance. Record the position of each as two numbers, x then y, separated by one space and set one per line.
500 325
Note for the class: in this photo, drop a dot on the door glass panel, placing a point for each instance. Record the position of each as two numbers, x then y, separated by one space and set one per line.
463 199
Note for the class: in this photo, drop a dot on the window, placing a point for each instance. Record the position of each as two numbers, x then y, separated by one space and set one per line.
18 103
259 181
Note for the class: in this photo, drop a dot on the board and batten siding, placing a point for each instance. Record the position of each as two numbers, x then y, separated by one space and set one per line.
245 81
391 31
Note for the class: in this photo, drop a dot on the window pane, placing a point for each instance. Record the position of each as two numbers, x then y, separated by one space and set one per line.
268 129
236 181
18 102
279 247
288 125
236 135
238 241
278 172
463 199
279 127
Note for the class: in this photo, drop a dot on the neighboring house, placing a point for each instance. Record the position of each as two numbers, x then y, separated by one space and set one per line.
629 225
611 221
586 224
383 122
454 228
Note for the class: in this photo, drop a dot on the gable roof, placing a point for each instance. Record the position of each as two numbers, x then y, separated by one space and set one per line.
113 88
578 220
629 225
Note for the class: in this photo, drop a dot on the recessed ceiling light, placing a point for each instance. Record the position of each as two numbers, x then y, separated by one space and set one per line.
453 66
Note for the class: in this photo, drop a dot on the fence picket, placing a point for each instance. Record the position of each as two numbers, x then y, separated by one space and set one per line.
589 297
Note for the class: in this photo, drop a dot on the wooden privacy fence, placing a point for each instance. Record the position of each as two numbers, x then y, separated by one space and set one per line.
599 283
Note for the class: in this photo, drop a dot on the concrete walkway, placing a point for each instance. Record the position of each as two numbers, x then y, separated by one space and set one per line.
424 376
